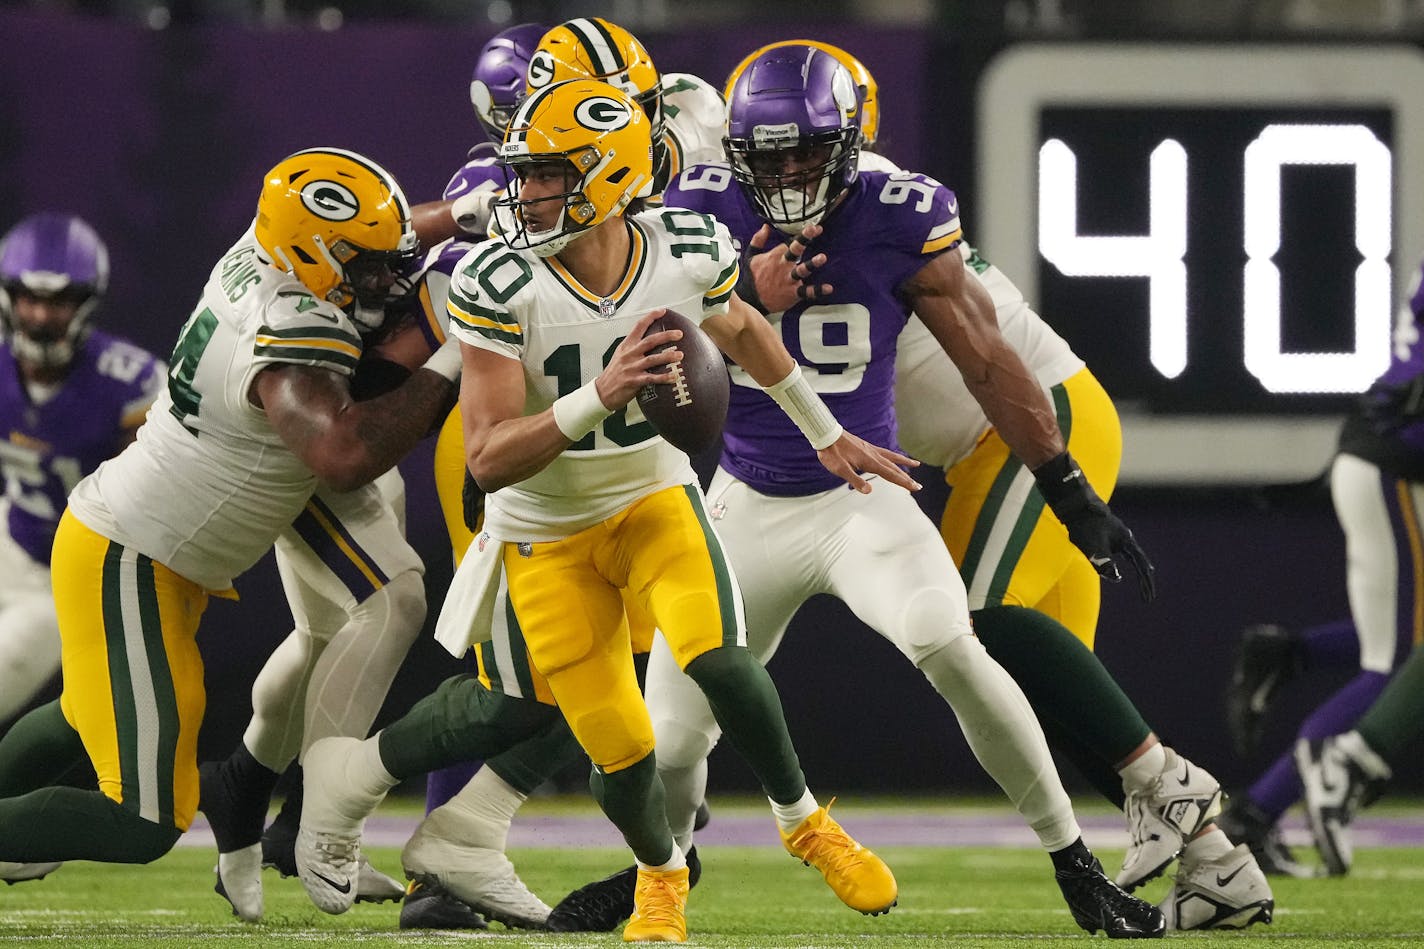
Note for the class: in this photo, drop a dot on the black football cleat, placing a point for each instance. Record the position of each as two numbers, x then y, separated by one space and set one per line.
704 815
599 907
1267 658
1098 903
428 906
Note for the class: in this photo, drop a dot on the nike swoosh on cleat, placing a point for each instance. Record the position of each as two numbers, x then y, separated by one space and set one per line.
1186 777
338 887
1224 880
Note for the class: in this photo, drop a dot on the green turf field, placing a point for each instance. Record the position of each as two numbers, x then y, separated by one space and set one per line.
749 897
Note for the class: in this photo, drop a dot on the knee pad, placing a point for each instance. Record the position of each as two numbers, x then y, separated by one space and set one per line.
928 622
398 607
614 737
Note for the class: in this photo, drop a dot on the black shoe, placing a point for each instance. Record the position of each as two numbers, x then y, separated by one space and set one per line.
704 814
1244 823
428 906
1267 658
279 840
234 806
1098 903
599 907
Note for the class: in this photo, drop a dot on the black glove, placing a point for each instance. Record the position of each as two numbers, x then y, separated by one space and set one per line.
473 500
1092 527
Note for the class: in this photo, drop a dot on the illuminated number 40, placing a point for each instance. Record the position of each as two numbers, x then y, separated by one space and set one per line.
1158 254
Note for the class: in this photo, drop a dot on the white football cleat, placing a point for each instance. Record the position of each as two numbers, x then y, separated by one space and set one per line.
1340 774
337 798
373 886
240 882
1163 816
20 872
480 877
1229 892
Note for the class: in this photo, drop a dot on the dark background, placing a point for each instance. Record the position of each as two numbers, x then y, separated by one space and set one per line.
160 138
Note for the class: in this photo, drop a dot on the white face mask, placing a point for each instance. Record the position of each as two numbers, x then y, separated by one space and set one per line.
792 209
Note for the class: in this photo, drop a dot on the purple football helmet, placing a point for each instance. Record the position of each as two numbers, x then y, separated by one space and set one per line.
793 133
52 257
498 82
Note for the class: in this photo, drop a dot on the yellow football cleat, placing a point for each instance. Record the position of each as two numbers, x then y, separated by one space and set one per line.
659 907
860 878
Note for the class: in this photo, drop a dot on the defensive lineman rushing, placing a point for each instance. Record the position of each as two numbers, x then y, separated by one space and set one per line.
586 497
70 396
258 409
890 243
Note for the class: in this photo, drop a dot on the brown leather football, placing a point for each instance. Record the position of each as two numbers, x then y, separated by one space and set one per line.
688 410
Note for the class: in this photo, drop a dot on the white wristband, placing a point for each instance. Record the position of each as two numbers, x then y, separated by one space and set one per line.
471 211
799 401
578 412
446 360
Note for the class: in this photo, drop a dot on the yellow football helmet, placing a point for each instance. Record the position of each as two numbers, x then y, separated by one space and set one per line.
596 139
593 48
870 98
339 223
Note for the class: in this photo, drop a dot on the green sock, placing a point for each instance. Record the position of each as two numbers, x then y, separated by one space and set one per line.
538 758
74 824
1063 680
458 722
633 800
1396 719
37 751
747 706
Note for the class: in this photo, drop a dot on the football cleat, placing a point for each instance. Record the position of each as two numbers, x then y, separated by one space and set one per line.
279 840
13 873
1341 774
659 907
334 810
1244 823
856 875
427 906
703 816
1229 892
1267 658
1163 816
239 881
599 907
1098 903
480 877
373 886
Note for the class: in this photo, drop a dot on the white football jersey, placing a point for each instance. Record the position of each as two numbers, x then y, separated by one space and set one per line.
939 421
518 305
696 120
209 484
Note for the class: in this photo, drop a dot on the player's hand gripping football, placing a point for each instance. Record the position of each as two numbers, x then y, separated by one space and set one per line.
636 362
852 458
784 274
1092 527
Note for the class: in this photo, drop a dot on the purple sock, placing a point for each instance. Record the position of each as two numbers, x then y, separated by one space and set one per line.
1343 709
1279 787
1331 646
444 784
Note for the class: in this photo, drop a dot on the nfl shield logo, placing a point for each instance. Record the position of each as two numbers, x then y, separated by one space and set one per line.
606 308
484 539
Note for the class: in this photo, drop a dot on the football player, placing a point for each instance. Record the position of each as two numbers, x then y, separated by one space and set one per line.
1377 485
70 396
891 245
1031 595
573 281
258 410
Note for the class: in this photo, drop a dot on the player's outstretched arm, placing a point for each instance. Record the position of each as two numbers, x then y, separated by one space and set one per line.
344 442
503 446
961 315
753 343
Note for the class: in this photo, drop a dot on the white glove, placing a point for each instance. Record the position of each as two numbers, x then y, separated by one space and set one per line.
471 211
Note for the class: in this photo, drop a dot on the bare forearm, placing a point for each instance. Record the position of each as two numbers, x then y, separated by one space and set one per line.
516 449
384 429
1017 407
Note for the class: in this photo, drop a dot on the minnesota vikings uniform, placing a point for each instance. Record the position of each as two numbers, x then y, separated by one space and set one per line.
621 498
792 531
49 444
202 494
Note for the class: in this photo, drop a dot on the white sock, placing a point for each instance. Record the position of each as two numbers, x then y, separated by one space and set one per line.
367 768
677 861
484 808
791 816
1146 769
1207 846
1005 736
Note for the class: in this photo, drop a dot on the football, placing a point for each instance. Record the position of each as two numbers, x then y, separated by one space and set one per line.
688 410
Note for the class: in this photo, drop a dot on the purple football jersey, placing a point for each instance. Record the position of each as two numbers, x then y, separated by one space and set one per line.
886 229
49 447
482 171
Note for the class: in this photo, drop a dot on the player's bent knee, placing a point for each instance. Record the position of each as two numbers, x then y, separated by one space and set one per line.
615 737
404 598
929 621
680 747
